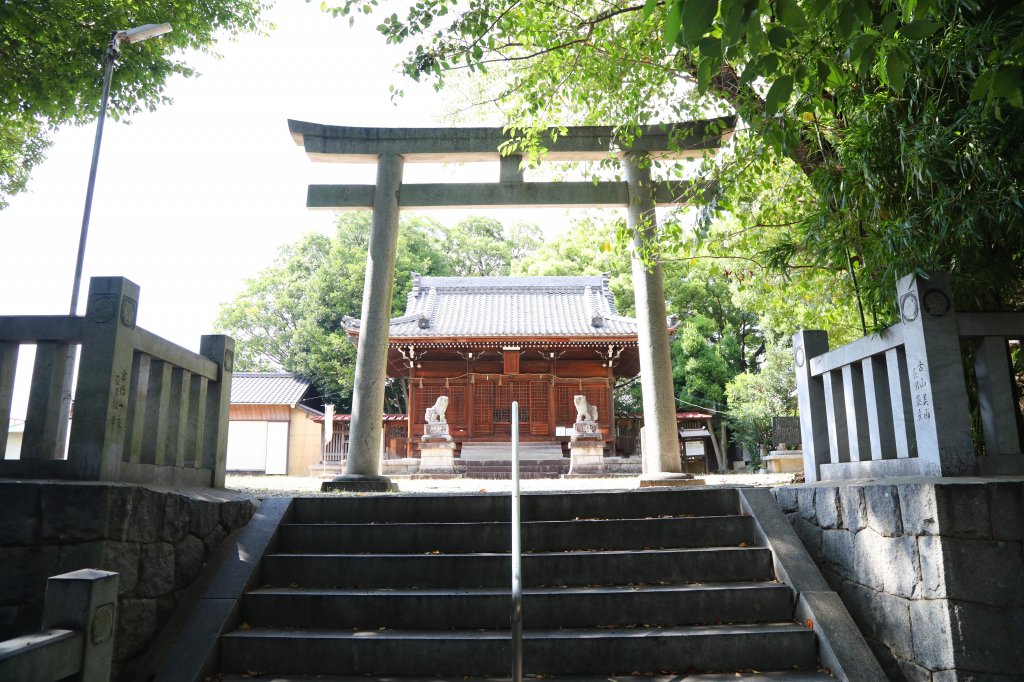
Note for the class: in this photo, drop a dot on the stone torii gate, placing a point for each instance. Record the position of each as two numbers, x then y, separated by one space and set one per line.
391 148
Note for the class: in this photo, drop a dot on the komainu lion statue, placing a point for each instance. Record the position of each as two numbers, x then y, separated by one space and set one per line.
435 413
584 410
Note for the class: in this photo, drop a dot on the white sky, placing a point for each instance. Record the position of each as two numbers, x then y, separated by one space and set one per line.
197 196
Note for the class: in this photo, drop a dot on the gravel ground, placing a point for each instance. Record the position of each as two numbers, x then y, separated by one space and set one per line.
290 486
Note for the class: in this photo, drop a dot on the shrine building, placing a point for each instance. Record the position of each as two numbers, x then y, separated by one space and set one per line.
485 342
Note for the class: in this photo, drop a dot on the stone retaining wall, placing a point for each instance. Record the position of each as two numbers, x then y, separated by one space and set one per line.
932 570
158 541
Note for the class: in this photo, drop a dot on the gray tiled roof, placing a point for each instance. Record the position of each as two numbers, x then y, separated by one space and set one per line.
511 306
267 388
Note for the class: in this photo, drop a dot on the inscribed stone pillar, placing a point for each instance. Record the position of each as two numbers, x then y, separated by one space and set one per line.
661 442
104 380
940 408
363 469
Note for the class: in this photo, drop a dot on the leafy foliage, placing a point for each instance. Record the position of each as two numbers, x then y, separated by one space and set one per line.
754 398
877 137
480 246
290 315
52 57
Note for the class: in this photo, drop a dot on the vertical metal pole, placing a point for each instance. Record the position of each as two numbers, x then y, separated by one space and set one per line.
517 557
72 349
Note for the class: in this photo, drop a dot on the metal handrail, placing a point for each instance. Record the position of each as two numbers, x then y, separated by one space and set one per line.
517 557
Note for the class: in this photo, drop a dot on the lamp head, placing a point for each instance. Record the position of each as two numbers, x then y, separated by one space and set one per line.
144 32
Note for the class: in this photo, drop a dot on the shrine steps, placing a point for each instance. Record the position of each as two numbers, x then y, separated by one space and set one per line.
615 583
502 469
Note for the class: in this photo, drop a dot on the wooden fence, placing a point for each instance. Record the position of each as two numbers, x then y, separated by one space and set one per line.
896 403
145 410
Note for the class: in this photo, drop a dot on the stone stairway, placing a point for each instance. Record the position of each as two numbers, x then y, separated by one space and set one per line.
502 469
627 584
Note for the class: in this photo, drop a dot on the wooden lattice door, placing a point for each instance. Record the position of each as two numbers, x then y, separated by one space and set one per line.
483 408
540 393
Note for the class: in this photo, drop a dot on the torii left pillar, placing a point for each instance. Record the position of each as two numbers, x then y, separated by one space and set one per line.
661 454
363 471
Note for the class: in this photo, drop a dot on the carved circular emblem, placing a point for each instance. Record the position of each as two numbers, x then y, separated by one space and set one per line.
229 360
129 310
798 356
936 303
101 309
909 307
102 627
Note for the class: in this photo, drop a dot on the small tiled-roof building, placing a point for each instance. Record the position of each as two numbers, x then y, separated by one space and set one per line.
487 341
271 429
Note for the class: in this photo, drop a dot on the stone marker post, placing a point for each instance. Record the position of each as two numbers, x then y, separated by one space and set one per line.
363 469
661 455
939 401
104 379
85 601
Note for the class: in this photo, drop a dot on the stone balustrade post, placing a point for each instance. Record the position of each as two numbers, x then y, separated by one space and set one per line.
85 601
104 378
997 396
938 391
810 391
220 349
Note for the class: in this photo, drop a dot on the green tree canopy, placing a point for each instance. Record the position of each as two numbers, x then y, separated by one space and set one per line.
754 398
480 246
52 56
584 249
290 315
875 137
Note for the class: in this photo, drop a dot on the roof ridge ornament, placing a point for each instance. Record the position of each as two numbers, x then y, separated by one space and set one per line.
596 318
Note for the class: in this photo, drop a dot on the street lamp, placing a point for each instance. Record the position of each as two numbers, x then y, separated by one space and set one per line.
132 35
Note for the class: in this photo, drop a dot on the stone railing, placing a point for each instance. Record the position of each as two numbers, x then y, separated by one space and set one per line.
145 410
77 639
896 403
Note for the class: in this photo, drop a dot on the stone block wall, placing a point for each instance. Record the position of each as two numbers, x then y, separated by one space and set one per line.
158 541
932 570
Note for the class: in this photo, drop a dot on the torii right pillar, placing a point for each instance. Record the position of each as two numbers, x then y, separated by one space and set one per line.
662 464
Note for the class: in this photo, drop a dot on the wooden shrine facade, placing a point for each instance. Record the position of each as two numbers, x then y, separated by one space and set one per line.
485 342
481 390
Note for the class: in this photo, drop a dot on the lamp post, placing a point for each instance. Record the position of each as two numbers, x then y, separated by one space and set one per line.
130 36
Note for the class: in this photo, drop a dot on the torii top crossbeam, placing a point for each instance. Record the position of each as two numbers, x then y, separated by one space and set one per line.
348 144
345 144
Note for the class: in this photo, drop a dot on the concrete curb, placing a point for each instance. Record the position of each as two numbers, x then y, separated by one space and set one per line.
841 647
193 655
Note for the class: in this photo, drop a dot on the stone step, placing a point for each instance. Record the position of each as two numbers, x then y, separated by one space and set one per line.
716 501
610 651
656 566
732 676
494 536
507 464
549 468
653 605
507 475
